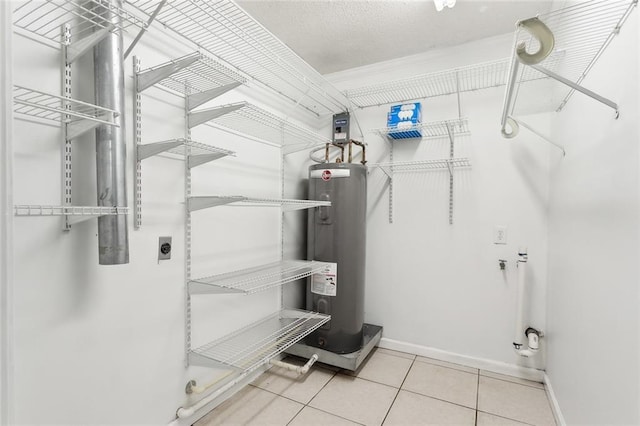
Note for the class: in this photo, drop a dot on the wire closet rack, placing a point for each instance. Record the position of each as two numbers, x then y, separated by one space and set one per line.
256 344
254 280
204 202
227 32
441 83
577 35
434 129
44 18
251 120
59 109
73 214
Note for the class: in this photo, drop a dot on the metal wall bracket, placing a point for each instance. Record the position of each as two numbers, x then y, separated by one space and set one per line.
200 117
153 76
82 46
197 99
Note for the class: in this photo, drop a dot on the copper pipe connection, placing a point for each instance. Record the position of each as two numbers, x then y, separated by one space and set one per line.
326 152
341 158
361 145
350 150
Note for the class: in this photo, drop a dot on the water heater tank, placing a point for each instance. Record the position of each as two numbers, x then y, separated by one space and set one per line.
338 234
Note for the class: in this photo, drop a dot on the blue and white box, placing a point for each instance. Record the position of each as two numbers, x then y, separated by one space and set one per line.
403 119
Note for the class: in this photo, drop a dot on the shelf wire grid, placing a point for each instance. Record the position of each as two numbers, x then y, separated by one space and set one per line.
45 210
198 148
200 202
582 32
260 278
59 108
441 83
434 129
226 31
45 17
256 122
420 165
258 343
203 75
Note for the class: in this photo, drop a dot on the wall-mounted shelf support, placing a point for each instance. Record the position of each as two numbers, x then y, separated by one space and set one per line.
438 129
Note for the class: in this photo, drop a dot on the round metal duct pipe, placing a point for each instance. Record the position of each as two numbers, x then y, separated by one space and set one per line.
113 238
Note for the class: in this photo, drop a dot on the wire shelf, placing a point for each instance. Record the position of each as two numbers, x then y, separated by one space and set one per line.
258 343
226 31
58 108
196 152
416 166
44 18
582 31
251 120
193 73
434 129
440 83
198 203
43 210
253 280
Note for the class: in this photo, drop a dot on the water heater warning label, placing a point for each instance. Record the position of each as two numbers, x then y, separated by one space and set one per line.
325 282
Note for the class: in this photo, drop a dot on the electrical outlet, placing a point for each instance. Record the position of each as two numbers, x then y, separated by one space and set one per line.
164 248
499 234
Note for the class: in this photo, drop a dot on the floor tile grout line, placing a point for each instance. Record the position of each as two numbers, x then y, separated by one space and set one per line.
369 380
477 397
517 383
438 399
297 414
506 418
398 392
462 368
334 415
335 373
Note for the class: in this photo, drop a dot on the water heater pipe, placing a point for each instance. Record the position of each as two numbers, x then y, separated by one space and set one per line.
184 412
113 238
297 368
530 333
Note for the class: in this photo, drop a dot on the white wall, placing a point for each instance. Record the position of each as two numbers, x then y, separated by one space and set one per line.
593 305
105 344
439 285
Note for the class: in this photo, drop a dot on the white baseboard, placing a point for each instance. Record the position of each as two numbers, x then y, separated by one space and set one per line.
480 363
555 407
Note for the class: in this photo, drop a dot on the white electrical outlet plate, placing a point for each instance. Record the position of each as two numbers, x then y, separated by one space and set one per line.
499 234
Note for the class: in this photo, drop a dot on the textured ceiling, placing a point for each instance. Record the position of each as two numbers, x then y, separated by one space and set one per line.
334 35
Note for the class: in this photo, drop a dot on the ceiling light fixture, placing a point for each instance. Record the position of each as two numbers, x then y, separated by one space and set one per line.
440 4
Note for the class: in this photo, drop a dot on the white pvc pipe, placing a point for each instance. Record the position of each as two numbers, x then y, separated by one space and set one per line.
298 369
184 412
518 339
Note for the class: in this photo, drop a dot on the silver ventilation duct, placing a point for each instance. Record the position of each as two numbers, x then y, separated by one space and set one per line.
113 238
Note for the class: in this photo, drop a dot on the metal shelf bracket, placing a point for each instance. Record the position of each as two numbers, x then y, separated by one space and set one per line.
197 99
150 77
200 117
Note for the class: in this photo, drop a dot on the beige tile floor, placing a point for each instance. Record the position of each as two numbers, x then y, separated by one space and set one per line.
390 388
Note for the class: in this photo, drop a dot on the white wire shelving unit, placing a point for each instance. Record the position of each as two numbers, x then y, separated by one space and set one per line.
434 129
227 32
77 115
258 343
256 279
422 165
195 153
73 214
199 79
88 20
440 83
449 129
580 33
196 76
253 121
204 202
